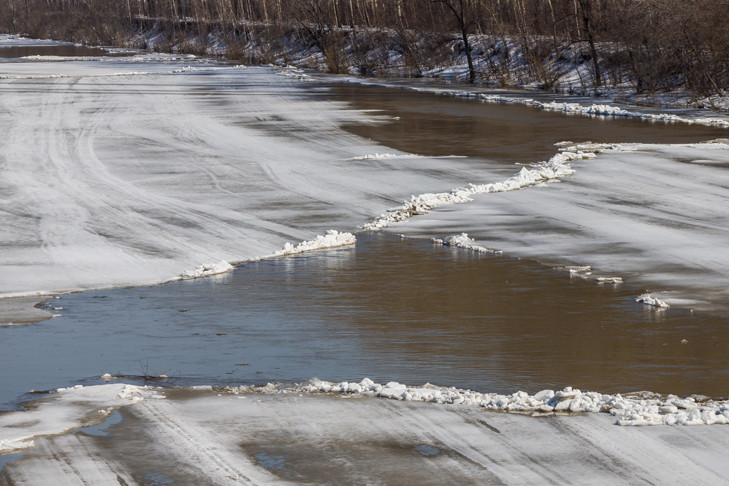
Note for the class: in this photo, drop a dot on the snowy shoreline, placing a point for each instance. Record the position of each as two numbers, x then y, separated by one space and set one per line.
633 409
111 433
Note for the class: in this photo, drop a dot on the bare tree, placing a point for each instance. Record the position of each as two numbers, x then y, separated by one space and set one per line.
462 11
587 22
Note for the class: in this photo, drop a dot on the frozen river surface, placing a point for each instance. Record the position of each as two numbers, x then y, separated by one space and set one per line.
131 171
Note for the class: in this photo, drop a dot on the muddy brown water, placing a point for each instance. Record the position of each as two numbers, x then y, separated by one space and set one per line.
393 309
13 52
388 309
440 125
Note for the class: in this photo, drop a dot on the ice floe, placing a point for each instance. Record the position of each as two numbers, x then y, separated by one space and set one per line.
648 299
464 241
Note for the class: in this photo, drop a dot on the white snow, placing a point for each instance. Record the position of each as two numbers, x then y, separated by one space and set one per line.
382 156
332 239
648 299
218 435
463 241
127 171
549 171
69 408
636 409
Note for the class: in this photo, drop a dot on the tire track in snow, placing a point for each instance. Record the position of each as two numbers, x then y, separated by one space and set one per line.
194 447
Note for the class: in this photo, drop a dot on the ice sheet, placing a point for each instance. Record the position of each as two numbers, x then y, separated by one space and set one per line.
124 171
267 436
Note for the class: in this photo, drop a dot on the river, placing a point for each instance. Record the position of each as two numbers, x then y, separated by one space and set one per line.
388 308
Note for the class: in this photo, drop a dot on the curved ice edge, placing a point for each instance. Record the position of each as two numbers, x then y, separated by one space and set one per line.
68 409
634 409
332 239
552 170
593 110
206 270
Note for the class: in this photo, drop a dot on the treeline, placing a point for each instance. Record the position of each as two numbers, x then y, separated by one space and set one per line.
658 45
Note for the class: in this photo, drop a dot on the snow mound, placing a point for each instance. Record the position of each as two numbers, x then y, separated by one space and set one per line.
637 409
332 239
465 242
551 170
207 270
648 299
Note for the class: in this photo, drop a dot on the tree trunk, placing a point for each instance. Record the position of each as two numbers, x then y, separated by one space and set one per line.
587 23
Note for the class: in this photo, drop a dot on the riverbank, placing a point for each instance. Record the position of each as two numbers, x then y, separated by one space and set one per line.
610 71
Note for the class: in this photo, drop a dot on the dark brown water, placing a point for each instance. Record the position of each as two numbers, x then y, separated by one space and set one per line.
427 124
13 52
388 309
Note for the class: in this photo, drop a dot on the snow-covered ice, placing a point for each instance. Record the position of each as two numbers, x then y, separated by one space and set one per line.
244 436
549 171
134 170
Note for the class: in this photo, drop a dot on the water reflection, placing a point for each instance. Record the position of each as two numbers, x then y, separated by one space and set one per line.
389 309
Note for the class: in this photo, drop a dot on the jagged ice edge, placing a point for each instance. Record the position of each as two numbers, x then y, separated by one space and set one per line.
551 170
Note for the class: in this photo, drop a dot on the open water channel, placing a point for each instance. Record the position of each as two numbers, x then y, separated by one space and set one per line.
390 308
